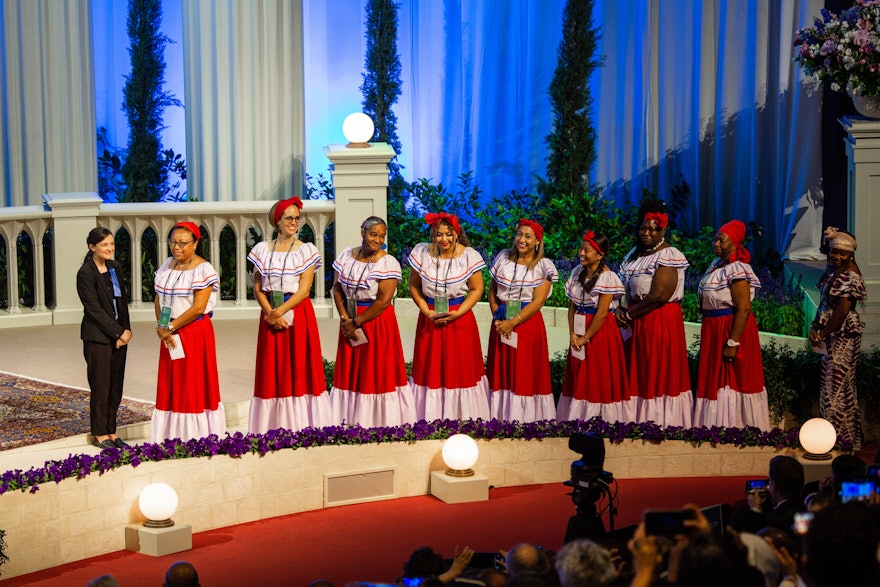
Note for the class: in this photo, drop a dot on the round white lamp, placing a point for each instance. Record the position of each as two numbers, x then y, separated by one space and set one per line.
358 129
158 502
817 437
460 452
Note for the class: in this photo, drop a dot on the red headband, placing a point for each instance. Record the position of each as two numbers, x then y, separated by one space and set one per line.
283 205
736 230
190 226
588 238
660 218
539 230
450 219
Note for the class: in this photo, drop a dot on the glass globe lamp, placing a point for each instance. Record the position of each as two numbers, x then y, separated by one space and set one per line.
460 452
358 130
817 437
158 502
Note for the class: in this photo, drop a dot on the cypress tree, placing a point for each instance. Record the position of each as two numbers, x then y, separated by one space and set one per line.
572 142
144 102
381 87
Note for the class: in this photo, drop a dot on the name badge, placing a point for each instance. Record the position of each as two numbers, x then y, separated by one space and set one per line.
441 304
351 307
277 299
513 308
164 316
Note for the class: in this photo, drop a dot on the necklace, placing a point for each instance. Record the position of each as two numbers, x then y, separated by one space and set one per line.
657 246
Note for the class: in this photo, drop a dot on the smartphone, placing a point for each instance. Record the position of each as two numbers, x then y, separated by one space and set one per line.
802 522
486 560
756 485
860 490
666 522
873 471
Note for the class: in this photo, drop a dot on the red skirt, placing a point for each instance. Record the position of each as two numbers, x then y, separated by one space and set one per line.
745 374
600 378
448 357
525 370
658 363
289 362
190 385
377 366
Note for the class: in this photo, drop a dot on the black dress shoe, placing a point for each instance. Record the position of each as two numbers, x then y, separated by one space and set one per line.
119 443
103 444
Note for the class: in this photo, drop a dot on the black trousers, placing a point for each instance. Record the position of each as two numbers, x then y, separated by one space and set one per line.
106 373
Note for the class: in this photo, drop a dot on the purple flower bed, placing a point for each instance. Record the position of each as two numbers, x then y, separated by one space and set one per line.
238 444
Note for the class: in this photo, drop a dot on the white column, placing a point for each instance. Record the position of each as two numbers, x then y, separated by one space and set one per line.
360 184
73 216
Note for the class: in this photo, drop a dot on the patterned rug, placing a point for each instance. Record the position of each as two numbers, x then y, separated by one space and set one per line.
33 411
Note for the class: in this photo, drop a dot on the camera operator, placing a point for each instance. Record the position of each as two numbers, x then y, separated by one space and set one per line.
776 506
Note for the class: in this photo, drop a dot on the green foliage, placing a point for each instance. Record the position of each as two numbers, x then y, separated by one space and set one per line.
144 101
572 143
25 253
790 377
227 262
772 316
381 87
149 263
3 556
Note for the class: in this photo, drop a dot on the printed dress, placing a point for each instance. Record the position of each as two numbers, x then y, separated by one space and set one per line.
597 385
370 386
657 353
519 378
188 389
289 386
838 398
730 394
448 376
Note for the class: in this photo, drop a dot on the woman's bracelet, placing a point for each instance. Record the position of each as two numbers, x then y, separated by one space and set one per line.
518 317
355 323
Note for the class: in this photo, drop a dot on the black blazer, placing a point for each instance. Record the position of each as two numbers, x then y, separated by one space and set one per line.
98 323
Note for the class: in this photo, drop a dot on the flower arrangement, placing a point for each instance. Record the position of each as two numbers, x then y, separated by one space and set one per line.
238 444
844 49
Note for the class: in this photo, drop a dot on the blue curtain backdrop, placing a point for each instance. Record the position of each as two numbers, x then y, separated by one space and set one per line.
700 96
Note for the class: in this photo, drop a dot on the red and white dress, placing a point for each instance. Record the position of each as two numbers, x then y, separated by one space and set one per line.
448 375
370 386
188 389
657 353
597 385
729 393
289 387
519 378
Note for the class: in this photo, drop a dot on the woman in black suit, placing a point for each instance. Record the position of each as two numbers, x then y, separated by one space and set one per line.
105 332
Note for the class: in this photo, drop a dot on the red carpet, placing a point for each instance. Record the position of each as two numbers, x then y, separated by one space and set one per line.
371 541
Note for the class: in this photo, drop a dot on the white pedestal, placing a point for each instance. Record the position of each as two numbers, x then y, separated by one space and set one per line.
459 489
815 470
158 541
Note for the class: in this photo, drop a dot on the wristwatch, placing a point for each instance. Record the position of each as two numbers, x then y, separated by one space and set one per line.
732 343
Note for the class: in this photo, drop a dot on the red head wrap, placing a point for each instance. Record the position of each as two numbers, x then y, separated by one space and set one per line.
588 238
451 219
283 205
539 230
660 218
190 226
736 230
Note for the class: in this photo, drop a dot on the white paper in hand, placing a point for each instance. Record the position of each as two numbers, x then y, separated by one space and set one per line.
820 348
361 338
579 354
510 341
177 351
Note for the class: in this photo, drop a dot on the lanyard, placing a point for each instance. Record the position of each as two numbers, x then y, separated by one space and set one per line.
357 285
446 278
283 264
176 279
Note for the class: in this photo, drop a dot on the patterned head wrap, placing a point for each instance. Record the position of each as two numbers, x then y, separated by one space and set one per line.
839 240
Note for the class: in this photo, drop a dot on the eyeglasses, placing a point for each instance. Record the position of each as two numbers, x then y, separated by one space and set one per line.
178 244
291 219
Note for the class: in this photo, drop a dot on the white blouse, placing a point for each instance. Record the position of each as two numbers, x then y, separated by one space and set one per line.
637 274
445 277
607 283
517 282
359 279
176 288
280 270
714 287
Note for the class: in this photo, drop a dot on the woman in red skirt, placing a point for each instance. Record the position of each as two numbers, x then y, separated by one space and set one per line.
730 391
187 390
370 386
289 387
446 281
595 382
519 359
653 276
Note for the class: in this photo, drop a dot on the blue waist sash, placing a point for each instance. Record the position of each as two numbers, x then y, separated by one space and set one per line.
500 313
585 309
365 303
718 313
452 301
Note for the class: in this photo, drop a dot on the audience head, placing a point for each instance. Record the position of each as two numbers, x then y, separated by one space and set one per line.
583 563
181 574
320 583
533 579
103 581
841 546
717 561
424 562
760 555
847 468
786 478
524 558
